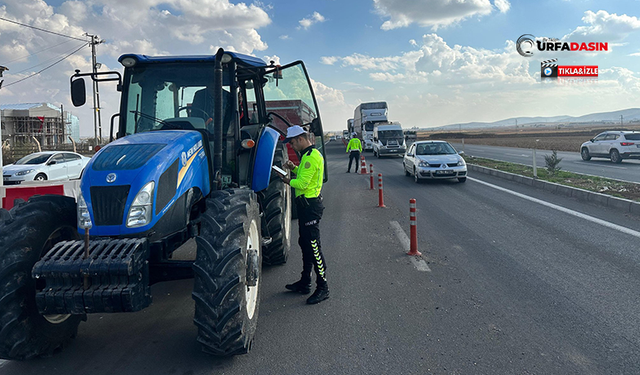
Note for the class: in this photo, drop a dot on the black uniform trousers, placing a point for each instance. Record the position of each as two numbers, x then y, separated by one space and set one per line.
354 155
309 215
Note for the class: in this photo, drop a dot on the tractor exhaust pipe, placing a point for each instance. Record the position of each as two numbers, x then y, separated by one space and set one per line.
217 120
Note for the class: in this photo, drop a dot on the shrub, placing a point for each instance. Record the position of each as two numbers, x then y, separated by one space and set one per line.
552 162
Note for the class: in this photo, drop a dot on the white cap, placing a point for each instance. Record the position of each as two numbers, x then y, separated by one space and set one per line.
293 132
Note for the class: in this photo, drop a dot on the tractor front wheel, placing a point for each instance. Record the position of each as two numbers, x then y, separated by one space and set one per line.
227 271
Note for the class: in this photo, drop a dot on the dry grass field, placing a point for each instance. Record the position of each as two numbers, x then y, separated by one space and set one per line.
544 138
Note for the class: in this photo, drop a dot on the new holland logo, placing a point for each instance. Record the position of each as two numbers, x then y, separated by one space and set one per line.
183 158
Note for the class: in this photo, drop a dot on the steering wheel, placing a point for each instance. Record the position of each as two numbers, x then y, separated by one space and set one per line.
283 120
207 116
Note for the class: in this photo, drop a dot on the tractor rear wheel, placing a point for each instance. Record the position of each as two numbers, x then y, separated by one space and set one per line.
276 221
27 232
227 271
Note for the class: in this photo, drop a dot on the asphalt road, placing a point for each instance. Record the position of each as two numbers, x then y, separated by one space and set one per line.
628 170
506 284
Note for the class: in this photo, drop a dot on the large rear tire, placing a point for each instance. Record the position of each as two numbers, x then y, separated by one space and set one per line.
276 221
27 232
228 272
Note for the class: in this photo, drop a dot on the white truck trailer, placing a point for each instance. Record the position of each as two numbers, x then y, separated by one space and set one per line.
365 118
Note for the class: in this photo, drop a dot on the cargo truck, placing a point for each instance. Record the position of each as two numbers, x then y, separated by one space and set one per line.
388 139
365 118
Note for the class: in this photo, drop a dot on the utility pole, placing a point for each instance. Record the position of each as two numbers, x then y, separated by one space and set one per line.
620 120
516 123
97 120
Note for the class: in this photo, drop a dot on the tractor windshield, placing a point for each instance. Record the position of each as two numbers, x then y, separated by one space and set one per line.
155 93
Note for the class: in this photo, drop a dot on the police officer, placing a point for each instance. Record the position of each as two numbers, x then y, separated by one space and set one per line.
308 185
354 148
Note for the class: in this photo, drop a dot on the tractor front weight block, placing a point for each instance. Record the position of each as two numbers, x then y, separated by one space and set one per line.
113 278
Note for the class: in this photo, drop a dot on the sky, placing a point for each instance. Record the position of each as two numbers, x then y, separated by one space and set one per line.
435 62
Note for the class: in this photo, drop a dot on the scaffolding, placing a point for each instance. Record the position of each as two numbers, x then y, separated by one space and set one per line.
49 131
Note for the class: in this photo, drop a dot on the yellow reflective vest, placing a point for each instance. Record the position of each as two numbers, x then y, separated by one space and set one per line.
309 174
354 145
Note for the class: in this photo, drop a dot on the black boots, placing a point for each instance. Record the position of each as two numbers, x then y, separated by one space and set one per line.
301 287
319 295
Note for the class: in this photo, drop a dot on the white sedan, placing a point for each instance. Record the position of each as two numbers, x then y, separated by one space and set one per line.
41 166
434 160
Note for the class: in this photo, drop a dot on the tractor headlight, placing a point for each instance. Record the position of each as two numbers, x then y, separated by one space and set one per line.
84 218
22 173
141 208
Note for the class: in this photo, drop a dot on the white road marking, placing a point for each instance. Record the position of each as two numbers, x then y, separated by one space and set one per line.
402 236
563 209
3 362
419 263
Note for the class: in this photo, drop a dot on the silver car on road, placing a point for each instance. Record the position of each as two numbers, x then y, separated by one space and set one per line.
41 166
613 145
434 160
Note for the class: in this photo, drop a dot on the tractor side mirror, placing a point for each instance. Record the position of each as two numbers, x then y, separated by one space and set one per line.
78 92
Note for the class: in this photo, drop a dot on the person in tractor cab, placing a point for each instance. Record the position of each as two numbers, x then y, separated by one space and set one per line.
308 186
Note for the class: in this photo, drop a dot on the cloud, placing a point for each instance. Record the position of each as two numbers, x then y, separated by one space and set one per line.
269 59
363 62
305 23
438 63
432 13
285 37
328 60
604 27
502 5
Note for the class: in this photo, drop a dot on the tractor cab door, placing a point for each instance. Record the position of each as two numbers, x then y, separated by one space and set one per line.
288 93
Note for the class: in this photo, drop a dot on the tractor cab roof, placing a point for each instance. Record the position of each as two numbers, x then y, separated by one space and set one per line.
240 59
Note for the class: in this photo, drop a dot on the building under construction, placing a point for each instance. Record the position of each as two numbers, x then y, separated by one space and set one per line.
48 124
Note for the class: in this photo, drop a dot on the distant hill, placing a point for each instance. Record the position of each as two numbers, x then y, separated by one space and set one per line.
628 115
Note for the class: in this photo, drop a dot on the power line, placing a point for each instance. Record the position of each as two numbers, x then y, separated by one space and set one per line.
39 29
35 53
48 60
42 70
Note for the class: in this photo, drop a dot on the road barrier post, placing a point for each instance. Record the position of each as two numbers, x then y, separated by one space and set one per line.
380 198
363 165
371 176
413 247
535 167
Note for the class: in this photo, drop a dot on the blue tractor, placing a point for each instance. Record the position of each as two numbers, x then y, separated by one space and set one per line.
192 158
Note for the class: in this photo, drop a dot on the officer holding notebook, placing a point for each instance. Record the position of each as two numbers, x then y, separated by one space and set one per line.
308 186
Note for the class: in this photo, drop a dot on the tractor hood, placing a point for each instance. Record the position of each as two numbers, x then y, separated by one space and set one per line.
173 159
